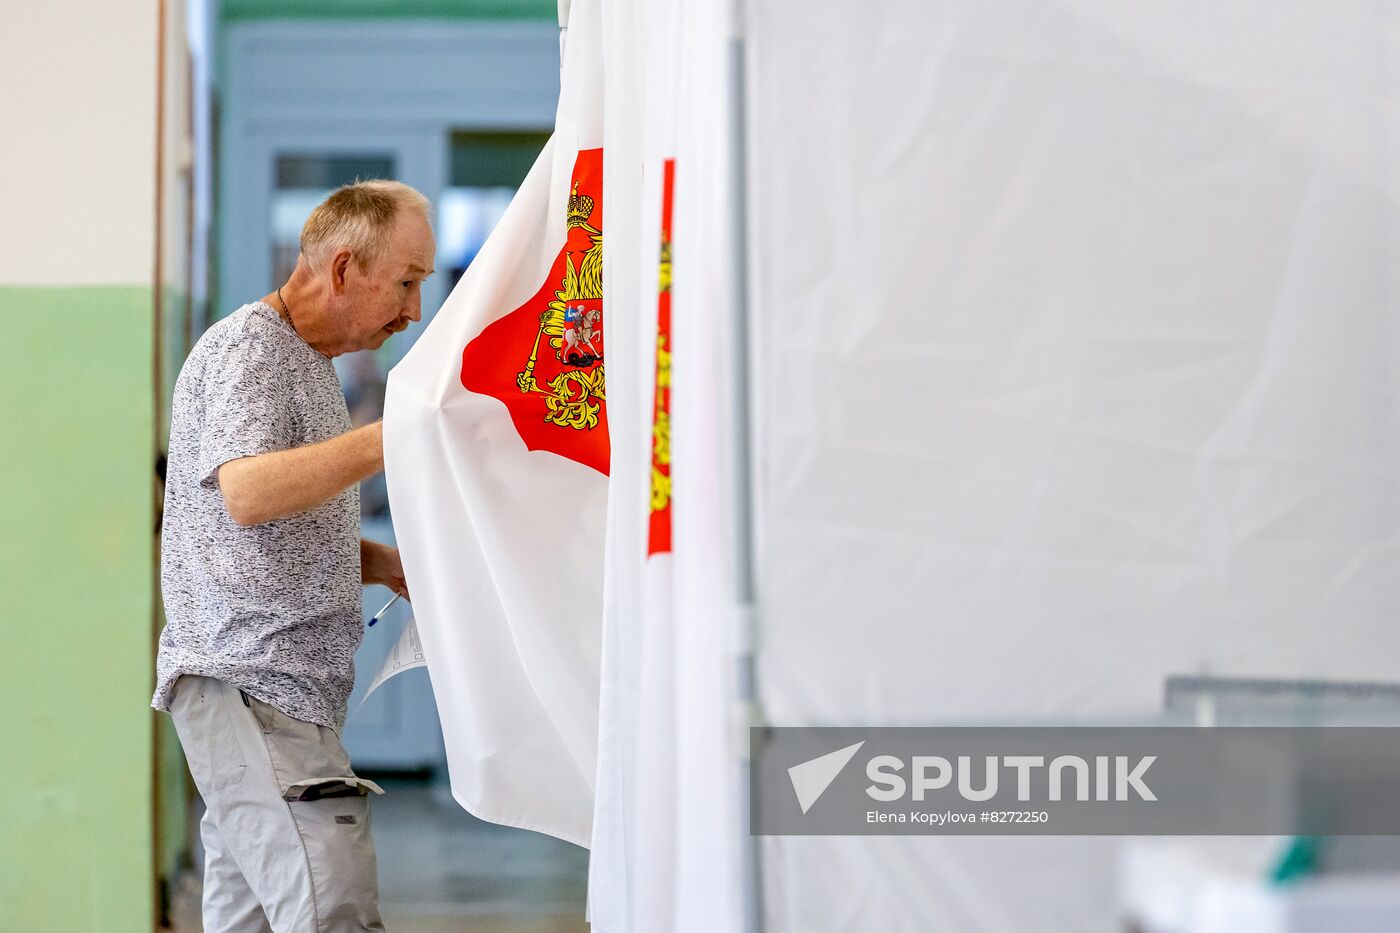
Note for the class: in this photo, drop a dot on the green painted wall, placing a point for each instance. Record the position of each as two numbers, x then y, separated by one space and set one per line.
243 10
76 487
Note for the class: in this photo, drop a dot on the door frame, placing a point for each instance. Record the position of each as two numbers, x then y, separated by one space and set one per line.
394 86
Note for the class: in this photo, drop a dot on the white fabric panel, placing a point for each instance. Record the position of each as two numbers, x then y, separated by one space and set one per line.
907 884
1075 369
503 545
665 825
656 862
614 828
652 866
709 829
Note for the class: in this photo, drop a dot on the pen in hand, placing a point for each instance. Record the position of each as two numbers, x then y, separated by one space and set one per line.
380 614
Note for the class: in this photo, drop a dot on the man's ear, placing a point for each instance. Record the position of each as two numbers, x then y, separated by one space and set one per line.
340 267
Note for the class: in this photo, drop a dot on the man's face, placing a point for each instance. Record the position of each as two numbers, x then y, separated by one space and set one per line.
386 298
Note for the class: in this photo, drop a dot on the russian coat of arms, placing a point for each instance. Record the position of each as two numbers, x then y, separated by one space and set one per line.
544 360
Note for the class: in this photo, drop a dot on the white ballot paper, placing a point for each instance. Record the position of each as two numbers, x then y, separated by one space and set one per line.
406 654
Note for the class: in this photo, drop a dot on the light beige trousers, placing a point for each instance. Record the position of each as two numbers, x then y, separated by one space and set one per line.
286 827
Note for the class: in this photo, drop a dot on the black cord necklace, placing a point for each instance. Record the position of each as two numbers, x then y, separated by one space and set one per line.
286 311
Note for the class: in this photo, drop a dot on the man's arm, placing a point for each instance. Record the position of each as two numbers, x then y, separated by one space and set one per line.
285 482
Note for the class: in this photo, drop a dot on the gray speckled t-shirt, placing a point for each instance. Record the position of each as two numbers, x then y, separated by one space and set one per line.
273 609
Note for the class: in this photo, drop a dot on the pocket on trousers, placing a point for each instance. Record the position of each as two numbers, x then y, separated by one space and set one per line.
206 735
327 787
307 759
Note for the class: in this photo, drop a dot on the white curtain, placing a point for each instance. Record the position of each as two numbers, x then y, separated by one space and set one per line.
1075 330
1075 369
666 826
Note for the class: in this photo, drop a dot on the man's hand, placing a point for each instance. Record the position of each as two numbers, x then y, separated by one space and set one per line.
380 564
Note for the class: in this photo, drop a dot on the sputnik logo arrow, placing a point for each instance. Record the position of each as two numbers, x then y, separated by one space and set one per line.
811 778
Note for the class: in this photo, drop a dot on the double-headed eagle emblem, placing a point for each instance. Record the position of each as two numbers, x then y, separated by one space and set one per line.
573 324
544 359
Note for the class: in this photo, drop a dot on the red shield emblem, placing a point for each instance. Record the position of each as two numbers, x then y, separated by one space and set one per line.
544 360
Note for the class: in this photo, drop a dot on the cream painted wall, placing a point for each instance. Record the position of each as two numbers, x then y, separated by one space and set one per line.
77 174
178 146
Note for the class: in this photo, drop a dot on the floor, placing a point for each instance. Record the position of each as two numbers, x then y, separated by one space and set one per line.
443 871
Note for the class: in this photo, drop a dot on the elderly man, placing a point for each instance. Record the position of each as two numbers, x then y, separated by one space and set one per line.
262 567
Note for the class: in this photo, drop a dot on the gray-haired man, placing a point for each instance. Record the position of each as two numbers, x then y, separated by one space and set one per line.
262 568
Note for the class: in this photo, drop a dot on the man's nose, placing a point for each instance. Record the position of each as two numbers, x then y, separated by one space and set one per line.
414 311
